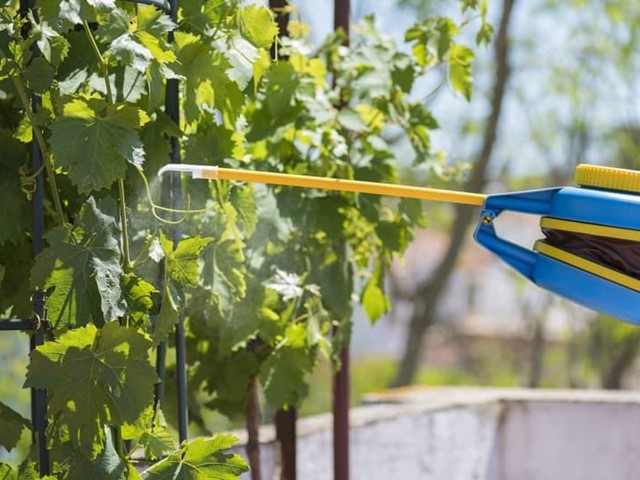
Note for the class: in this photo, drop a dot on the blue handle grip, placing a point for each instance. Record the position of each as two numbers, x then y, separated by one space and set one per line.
535 202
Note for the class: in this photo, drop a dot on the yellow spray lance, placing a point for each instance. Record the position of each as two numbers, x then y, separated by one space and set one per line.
323 183
591 250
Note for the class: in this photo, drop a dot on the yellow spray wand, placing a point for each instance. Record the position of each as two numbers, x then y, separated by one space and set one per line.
291 180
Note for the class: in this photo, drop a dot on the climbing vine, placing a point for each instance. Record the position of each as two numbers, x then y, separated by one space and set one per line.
260 274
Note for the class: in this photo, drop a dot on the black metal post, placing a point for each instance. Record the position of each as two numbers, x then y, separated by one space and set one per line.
172 108
38 396
16 325
181 378
161 369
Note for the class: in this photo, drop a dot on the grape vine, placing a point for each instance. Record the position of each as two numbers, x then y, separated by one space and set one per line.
261 274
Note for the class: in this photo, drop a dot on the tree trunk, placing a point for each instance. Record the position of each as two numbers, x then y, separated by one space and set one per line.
286 436
252 419
428 294
537 352
612 378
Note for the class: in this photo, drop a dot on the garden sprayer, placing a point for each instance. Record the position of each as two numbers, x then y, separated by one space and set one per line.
590 252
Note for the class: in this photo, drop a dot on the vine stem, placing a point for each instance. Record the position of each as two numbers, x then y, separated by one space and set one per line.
126 248
103 63
125 227
24 99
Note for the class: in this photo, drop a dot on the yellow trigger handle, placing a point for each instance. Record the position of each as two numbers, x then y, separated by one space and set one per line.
323 183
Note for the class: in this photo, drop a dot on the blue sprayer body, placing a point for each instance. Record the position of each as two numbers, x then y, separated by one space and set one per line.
577 204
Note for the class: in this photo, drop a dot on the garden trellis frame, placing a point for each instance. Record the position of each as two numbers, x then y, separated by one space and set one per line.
38 325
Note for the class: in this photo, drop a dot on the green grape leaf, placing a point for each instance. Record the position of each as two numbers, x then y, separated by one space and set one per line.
94 141
182 264
82 265
8 20
258 25
7 472
137 41
107 465
137 293
63 15
155 137
394 235
150 432
39 75
411 210
102 4
351 120
43 35
242 322
403 74
373 299
11 426
201 459
196 64
182 269
234 372
485 33
447 30
279 107
94 377
281 88
157 443
282 373
168 316
335 279
242 55
28 471
460 69
206 82
215 143
204 17
244 202
224 270
271 223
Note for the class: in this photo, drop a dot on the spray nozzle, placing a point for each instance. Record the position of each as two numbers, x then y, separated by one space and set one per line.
196 171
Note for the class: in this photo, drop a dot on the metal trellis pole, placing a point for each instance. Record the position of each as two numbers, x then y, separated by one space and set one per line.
172 108
341 381
38 396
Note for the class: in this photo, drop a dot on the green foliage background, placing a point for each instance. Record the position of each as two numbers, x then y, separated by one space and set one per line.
260 275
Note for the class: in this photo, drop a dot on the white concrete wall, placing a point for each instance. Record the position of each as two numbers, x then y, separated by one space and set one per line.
478 434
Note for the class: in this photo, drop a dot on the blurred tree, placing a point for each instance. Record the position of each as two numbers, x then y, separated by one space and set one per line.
428 294
612 349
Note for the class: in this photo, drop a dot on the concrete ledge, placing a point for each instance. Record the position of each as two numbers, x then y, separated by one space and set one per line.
452 433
